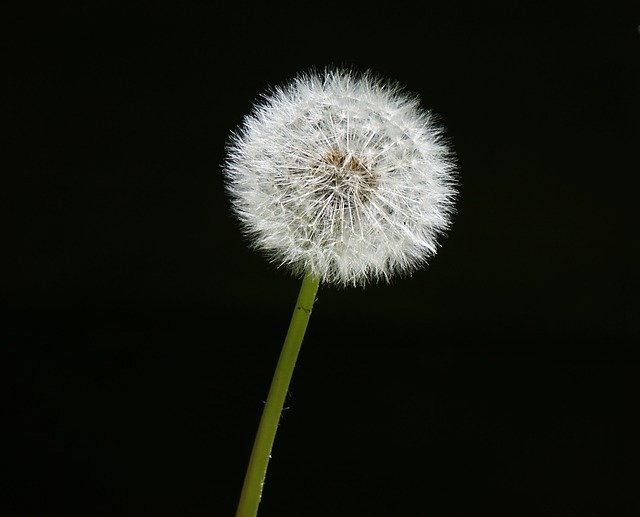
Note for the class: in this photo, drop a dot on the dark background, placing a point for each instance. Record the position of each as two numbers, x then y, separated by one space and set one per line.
141 332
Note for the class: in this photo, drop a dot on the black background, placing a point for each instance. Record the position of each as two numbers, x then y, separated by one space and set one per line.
141 331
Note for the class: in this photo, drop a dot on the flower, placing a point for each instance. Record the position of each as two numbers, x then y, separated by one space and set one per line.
343 176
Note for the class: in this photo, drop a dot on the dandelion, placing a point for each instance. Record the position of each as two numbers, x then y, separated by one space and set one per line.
344 179
341 176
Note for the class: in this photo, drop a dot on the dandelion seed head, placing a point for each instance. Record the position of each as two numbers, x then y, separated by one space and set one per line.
343 176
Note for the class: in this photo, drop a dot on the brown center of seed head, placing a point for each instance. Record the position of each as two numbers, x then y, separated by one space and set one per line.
347 174
342 160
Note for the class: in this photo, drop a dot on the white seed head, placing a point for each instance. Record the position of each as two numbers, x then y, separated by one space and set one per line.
343 176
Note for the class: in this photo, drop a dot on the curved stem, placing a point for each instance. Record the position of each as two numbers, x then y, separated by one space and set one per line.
257 469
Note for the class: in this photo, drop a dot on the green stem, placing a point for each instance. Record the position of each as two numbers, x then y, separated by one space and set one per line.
257 469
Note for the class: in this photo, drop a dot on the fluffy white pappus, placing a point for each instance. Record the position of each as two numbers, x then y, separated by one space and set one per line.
343 176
